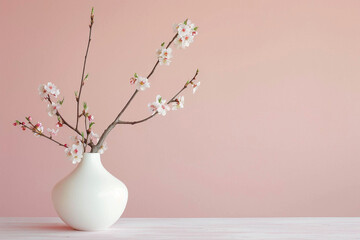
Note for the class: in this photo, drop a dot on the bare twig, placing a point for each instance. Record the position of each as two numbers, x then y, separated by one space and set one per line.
62 119
83 71
115 122
33 129
185 86
139 121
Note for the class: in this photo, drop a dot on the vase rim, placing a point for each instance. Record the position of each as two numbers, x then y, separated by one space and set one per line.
91 157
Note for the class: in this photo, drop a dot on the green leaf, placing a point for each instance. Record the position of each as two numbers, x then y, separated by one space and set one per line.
82 134
185 22
86 77
196 28
160 99
163 44
135 75
92 11
17 122
61 102
76 94
197 70
91 124
85 105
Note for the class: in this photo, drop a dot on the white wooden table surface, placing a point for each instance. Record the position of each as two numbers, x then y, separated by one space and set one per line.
189 228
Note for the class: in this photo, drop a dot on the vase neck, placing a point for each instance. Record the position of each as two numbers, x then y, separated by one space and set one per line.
91 160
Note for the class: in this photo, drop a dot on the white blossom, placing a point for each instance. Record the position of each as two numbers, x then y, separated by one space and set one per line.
184 42
75 153
195 86
52 132
53 108
142 83
42 92
153 107
184 29
48 89
159 106
164 55
186 32
103 148
52 89
179 103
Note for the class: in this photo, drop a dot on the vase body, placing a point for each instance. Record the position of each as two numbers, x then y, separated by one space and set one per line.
90 198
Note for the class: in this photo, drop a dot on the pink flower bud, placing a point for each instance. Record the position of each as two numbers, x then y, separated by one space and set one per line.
14 123
132 80
29 117
66 145
91 118
23 123
23 128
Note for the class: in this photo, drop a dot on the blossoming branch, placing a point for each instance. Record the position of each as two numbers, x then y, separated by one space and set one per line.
184 35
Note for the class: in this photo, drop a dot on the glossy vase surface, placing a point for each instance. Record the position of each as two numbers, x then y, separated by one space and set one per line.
90 198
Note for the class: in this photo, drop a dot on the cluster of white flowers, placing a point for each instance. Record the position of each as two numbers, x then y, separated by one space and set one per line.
179 103
38 129
75 152
164 55
159 106
48 89
186 33
141 83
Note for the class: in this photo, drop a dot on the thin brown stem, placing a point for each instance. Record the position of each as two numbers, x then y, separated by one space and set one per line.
149 75
139 121
32 128
126 105
62 119
173 98
115 122
83 72
172 40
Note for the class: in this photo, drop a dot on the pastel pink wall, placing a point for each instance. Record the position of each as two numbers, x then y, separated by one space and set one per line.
273 131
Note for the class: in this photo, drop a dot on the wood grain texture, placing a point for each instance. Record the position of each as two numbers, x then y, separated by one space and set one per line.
189 228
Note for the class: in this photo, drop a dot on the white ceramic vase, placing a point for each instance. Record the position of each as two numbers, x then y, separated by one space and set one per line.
90 198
